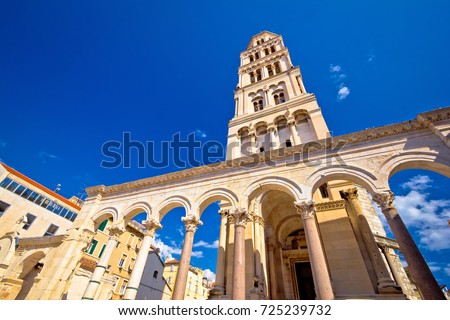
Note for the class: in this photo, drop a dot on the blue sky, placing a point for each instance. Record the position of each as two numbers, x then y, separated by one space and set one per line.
76 74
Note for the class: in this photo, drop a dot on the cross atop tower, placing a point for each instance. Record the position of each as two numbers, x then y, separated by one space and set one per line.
272 108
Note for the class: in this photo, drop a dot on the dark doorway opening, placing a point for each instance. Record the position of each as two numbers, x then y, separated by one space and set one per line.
305 282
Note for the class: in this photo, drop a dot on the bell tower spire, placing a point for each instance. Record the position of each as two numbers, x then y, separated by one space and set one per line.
272 108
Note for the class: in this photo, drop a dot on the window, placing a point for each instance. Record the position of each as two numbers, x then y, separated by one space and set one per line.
101 251
288 143
29 221
5 182
51 230
155 274
270 70
132 263
279 98
19 190
102 225
256 55
3 207
258 105
12 186
261 149
258 75
91 248
252 59
123 287
122 260
138 244
252 77
324 191
171 268
130 240
258 43
277 67
272 48
117 244
266 52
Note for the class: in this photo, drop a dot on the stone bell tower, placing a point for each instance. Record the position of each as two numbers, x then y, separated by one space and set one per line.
273 109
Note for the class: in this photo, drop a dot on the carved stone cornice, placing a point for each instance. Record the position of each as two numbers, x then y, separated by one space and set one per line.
191 223
350 194
329 205
115 231
240 217
151 226
305 209
385 200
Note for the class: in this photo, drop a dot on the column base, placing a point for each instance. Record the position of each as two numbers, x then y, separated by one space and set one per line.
217 293
388 286
257 294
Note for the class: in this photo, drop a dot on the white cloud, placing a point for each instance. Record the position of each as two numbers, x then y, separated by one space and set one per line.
167 251
418 183
447 270
197 254
335 68
208 274
204 244
337 76
343 92
434 266
426 218
46 156
200 134
181 231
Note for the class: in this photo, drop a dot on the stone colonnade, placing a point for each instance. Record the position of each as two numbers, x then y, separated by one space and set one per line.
239 217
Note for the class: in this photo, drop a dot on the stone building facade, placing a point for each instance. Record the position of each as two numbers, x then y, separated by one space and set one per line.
296 216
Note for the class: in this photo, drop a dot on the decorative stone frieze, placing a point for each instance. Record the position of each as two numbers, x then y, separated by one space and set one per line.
330 205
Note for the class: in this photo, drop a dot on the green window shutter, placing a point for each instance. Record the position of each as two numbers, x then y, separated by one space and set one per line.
101 251
94 244
103 225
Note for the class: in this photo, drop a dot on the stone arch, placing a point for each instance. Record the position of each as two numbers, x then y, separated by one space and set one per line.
102 215
217 194
28 262
349 173
414 160
136 208
272 183
173 202
288 225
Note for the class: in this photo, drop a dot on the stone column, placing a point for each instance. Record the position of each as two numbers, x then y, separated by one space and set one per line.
395 272
273 139
238 152
294 133
219 287
273 275
262 244
259 282
322 281
240 217
151 226
428 286
384 282
114 233
191 222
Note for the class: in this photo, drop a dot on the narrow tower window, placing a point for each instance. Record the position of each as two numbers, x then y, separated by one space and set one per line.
258 75
272 48
277 67
266 52
256 55
288 143
258 105
252 59
270 70
324 191
252 77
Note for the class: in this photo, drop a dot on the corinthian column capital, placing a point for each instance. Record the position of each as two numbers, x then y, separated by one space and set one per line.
191 222
240 216
115 231
305 209
151 225
350 194
385 199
